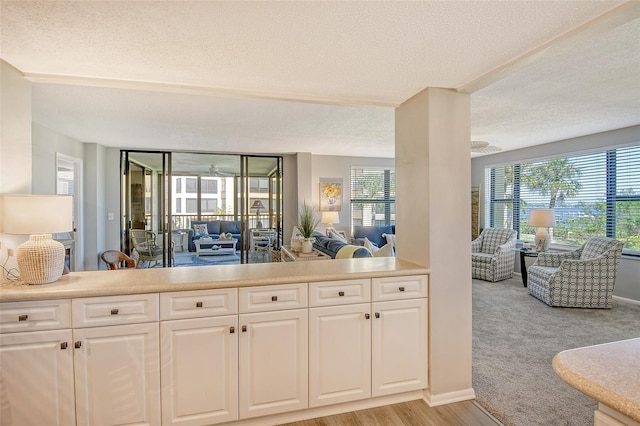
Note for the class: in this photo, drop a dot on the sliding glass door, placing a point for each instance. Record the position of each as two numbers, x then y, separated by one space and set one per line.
174 194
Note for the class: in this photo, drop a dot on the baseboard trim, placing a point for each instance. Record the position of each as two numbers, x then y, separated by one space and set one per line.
329 410
627 300
448 397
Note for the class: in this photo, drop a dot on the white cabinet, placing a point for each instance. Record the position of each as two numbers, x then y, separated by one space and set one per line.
273 356
339 354
199 360
399 346
117 379
36 378
36 363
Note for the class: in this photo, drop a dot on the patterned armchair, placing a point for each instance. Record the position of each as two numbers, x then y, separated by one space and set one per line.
582 278
492 255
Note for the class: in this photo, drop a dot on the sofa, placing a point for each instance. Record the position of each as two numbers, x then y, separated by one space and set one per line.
214 229
373 234
331 246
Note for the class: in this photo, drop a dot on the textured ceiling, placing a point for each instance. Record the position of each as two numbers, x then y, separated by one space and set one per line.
215 75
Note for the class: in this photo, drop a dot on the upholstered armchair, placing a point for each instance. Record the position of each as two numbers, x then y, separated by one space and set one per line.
492 255
583 278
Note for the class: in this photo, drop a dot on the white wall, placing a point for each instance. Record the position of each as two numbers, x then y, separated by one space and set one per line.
628 278
325 166
15 147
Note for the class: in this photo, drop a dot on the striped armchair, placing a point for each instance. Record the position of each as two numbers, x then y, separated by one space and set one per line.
583 278
492 255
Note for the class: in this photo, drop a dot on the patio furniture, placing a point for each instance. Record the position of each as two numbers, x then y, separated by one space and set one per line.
582 278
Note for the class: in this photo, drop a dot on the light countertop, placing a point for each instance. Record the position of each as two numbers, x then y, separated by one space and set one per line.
608 373
157 280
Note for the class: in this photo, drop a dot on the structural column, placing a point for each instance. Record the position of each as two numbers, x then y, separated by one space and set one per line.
433 185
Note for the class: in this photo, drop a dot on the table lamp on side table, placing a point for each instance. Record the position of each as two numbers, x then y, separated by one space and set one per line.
542 218
330 218
40 258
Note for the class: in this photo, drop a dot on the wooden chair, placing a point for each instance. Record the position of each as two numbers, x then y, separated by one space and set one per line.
116 259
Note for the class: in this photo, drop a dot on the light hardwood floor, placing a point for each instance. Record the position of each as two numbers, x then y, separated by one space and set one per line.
413 413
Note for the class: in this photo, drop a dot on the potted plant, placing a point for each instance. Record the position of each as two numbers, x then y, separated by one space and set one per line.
307 223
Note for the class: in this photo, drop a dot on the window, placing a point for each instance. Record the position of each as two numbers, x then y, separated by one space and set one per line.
208 205
178 205
595 194
178 186
209 186
259 185
373 196
192 185
191 206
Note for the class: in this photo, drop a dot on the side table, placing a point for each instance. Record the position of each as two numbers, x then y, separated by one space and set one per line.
525 252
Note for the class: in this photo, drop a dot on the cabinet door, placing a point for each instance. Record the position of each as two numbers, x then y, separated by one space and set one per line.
399 346
199 371
36 378
339 354
117 375
273 362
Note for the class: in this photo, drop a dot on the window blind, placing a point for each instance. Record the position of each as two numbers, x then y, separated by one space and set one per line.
595 194
373 195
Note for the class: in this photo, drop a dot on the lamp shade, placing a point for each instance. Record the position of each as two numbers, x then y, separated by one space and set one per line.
330 217
542 217
257 204
36 214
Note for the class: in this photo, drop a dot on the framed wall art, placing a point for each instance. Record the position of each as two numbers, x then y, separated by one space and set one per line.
330 194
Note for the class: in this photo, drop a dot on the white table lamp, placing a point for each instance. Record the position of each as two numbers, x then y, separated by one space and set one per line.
542 218
330 218
40 258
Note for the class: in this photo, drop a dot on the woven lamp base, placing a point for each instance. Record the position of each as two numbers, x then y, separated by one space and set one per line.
40 259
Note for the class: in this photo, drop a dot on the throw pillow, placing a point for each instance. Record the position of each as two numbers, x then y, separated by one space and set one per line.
384 251
370 246
335 236
200 230
391 239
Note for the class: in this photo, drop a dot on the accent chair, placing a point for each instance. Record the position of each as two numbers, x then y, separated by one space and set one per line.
583 278
116 259
492 256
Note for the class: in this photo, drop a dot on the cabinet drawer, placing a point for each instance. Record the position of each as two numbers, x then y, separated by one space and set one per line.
114 310
198 303
272 298
35 315
397 288
328 293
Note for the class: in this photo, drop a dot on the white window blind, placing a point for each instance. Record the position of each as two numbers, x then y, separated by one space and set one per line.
373 196
595 194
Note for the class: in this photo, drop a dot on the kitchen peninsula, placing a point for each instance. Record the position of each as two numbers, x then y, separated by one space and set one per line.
608 373
239 344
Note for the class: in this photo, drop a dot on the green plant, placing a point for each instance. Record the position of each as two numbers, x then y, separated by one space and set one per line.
307 221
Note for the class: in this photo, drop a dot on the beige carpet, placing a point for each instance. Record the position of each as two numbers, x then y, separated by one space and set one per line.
515 337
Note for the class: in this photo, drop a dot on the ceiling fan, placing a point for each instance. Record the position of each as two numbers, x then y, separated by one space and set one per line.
482 147
214 171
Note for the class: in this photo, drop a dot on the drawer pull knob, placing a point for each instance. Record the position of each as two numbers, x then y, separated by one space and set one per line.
244 328
274 298
377 314
64 345
232 330
78 344
341 293
198 304
401 289
114 311
23 317
367 316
